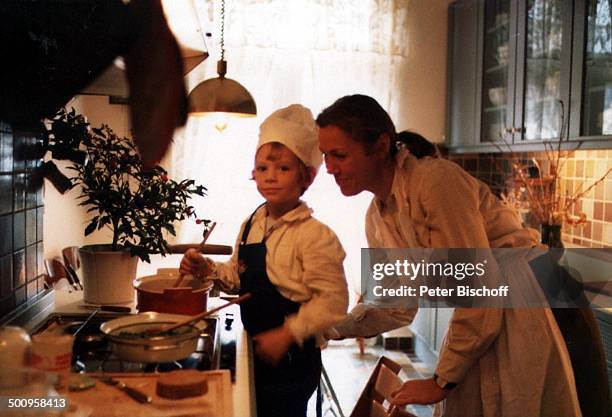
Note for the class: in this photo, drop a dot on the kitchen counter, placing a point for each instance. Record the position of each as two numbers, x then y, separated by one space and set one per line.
243 394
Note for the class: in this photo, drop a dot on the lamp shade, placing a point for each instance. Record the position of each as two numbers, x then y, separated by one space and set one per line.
221 95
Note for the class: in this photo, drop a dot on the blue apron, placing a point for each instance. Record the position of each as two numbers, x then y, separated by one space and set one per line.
281 390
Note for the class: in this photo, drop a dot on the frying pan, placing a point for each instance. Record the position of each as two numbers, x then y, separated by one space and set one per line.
129 343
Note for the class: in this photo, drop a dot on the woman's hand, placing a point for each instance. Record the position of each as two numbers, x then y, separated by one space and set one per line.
195 264
418 391
273 344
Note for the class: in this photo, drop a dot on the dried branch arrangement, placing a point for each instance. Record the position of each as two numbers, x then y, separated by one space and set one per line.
538 185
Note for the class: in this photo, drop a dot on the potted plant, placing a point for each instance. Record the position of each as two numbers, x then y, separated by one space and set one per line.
139 206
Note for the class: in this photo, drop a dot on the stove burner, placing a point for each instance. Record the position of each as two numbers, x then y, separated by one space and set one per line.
92 351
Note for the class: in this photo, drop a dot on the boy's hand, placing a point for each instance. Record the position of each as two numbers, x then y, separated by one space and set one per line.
195 264
272 345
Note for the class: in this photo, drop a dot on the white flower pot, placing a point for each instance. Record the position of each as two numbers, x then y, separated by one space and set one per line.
107 275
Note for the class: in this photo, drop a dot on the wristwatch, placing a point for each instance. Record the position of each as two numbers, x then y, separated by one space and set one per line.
443 383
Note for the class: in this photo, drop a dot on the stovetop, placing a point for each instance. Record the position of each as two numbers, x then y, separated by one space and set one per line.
91 352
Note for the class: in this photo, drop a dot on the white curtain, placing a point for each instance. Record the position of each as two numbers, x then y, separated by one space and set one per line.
299 51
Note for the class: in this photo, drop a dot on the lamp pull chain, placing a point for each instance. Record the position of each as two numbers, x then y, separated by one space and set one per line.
222 30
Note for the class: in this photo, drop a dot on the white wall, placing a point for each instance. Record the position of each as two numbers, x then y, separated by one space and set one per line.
422 97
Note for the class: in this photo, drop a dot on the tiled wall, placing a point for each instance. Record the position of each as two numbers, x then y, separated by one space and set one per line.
21 218
581 170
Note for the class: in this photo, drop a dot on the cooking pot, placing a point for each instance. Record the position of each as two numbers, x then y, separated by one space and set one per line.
129 343
156 293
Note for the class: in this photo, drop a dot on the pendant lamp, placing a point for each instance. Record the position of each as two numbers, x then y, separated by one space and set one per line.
221 97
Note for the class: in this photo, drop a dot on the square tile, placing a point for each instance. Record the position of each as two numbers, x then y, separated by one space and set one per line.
608 212
579 169
19 189
32 289
6 191
39 223
32 159
31 263
570 168
20 295
31 189
30 230
19 269
608 186
597 232
40 195
6 231
6 275
589 170
19 153
598 210
19 228
40 258
586 230
599 191
600 168
607 234
587 207
6 152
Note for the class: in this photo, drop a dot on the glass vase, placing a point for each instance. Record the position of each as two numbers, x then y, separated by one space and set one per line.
551 235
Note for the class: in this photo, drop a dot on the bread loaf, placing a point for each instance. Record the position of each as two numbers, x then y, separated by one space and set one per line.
181 384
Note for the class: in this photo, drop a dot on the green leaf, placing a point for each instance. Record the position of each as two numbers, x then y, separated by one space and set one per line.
92 226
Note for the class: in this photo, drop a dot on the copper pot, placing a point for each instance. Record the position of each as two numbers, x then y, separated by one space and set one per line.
156 293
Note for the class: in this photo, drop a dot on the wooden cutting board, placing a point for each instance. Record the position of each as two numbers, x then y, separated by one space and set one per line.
109 401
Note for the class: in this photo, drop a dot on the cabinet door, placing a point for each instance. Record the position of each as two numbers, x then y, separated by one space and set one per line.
463 81
498 65
592 69
543 68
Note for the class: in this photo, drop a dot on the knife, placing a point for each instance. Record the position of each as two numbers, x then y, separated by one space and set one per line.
137 395
116 309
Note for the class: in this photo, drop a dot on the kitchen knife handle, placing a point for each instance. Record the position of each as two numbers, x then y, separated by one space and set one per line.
139 396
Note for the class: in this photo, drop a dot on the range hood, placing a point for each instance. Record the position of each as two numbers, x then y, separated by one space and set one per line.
187 25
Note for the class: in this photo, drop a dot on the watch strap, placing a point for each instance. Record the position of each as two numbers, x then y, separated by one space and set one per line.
443 383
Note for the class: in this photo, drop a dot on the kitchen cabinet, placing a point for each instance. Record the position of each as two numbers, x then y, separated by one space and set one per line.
515 66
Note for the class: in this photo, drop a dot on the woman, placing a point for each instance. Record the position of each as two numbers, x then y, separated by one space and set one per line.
494 362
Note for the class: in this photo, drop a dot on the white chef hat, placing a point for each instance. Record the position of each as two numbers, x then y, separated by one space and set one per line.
294 127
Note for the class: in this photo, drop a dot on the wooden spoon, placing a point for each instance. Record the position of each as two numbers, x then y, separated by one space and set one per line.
179 280
197 317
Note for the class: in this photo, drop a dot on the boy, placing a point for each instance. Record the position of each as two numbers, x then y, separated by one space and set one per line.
291 264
